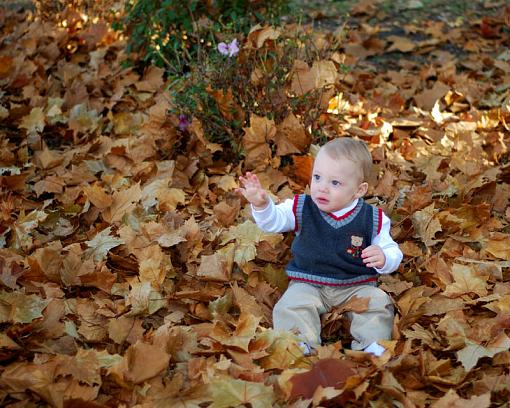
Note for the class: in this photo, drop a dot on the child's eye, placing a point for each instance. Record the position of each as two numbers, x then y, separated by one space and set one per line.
316 177
336 183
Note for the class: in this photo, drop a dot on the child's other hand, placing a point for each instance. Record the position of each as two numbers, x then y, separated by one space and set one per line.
252 190
373 257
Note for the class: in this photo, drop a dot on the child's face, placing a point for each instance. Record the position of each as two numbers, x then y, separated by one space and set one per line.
336 183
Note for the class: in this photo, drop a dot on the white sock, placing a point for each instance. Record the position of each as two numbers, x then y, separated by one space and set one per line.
307 350
375 349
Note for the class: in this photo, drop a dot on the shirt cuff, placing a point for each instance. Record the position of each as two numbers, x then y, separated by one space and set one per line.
391 264
263 214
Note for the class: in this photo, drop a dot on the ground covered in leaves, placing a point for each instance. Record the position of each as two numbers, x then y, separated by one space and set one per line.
131 274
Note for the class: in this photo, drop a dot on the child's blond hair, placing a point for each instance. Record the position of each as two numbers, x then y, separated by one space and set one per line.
351 149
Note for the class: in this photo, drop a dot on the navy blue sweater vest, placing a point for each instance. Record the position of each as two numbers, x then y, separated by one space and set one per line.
327 249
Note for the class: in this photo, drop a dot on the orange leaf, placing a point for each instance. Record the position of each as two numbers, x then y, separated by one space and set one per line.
303 166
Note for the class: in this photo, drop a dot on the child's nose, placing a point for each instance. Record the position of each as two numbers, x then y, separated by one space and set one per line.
323 187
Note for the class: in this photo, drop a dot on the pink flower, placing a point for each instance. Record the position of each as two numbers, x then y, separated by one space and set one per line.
229 49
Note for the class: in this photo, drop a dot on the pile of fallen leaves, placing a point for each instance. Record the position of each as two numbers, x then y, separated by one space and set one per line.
131 274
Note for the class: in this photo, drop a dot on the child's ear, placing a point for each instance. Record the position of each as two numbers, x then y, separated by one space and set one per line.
362 190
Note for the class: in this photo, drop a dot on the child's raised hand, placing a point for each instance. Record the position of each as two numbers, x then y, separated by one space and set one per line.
252 190
373 256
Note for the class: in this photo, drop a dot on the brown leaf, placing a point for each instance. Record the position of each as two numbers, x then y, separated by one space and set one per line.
98 196
259 35
217 267
327 372
470 354
427 225
141 362
291 136
452 400
499 246
125 329
123 202
466 280
255 141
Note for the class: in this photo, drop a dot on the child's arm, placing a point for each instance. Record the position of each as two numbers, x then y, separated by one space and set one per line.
268 216
384 254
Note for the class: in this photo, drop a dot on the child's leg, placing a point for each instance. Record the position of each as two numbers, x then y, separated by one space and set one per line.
370 326
299 308
374 324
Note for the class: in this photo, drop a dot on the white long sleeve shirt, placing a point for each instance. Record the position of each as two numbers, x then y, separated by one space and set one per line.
280 218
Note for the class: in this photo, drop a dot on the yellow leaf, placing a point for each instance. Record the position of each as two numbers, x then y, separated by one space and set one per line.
234 393
227 182
246 236
282 347
338 104
246 302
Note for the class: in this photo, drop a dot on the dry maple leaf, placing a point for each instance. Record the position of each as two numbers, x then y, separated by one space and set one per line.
141 362
466 280
327 372
101 244
17 307
242 336
246 236
452 400
427 225
291 136
258 35
233 393
123 202
218 266
82 120
255 141
470 354
34 122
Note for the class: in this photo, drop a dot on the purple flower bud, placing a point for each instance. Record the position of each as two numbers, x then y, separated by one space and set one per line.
184 122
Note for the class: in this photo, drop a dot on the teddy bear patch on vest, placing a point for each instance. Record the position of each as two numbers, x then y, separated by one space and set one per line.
356 246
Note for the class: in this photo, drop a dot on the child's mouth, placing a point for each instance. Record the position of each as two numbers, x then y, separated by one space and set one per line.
321 200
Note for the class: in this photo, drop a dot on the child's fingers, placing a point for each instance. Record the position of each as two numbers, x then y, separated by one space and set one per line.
372 260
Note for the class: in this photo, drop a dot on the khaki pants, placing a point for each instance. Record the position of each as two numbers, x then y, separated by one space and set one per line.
302 304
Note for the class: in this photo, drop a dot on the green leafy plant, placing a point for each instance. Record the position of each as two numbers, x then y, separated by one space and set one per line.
173 33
